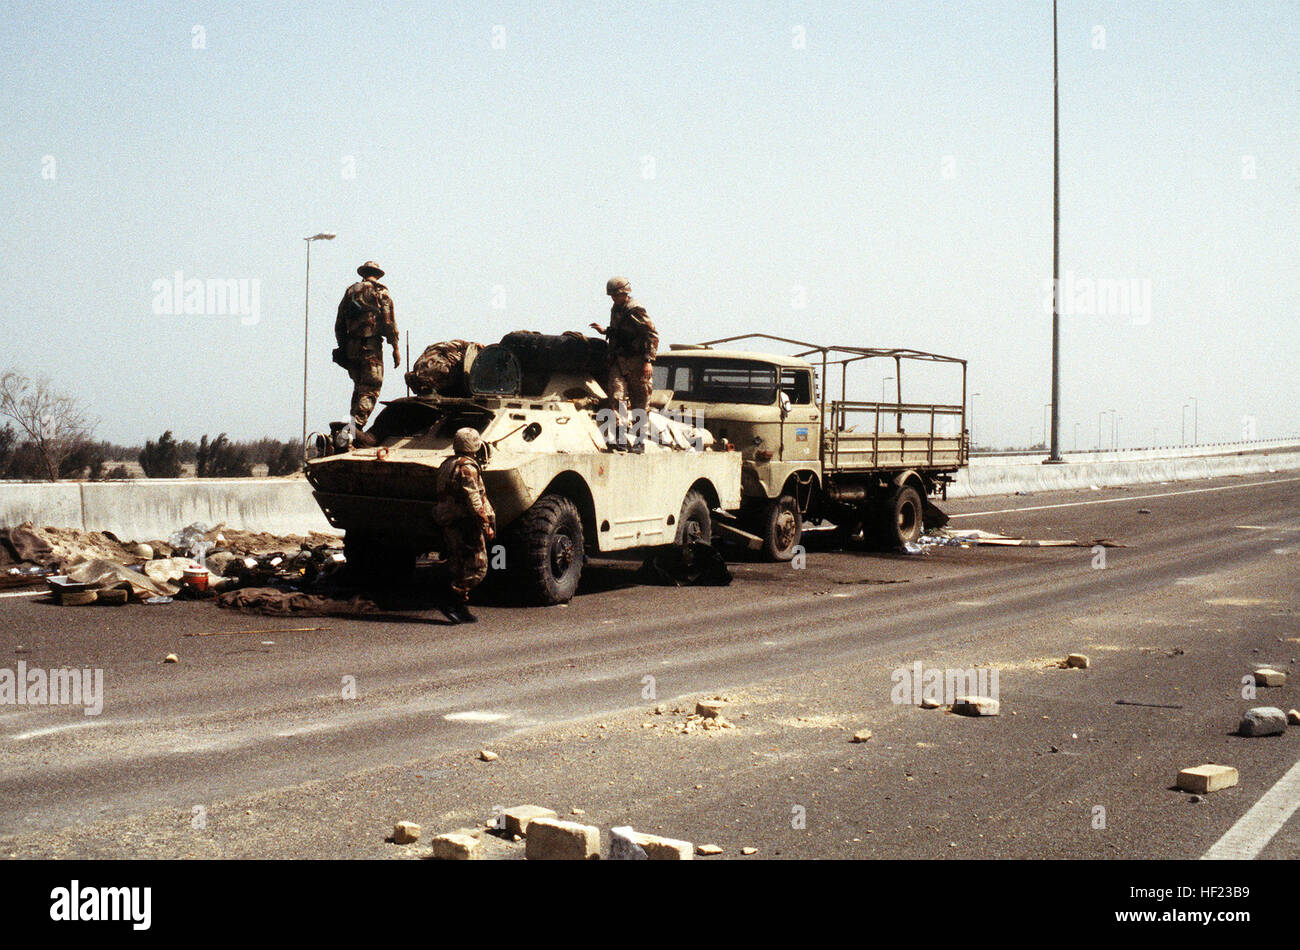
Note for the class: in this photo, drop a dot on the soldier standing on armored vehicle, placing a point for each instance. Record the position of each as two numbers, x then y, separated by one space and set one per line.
467 521
365 319
633 343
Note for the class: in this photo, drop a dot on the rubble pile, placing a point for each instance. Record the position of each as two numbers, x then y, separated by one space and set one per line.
83 567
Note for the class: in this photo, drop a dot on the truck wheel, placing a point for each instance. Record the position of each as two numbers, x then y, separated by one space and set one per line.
548 547
901 518
782 529
695 523
375 560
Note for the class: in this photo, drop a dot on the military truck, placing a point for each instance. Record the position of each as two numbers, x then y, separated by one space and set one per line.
564 486
854 464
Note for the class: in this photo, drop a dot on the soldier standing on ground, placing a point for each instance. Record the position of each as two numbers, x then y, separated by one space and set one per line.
365 320
467 520
633 343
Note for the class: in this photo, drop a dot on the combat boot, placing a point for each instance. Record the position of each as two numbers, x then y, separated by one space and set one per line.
448 610
462 611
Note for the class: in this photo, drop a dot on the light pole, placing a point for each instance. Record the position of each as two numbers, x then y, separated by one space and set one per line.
1116 438
306 309
1195 413
1113 415
1054 457
1076 437
973 397
1183 437
882 387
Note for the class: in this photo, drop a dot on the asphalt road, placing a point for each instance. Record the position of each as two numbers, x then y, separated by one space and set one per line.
253 744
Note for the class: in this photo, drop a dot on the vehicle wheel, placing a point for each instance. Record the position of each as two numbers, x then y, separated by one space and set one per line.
694 523
377 560
901 518
782 529
548 550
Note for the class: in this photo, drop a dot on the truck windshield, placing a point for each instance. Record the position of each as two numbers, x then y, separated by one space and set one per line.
699 380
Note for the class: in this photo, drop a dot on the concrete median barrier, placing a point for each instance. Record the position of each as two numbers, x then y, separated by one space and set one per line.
153 508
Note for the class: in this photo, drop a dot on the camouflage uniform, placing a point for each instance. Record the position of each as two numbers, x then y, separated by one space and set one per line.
466 517
633 343
438 369
365 320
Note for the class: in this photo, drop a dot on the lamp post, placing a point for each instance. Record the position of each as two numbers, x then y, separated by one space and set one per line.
1054 457
306 310
882 387
1076 437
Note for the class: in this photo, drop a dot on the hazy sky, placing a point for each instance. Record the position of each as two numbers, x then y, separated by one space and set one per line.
876 174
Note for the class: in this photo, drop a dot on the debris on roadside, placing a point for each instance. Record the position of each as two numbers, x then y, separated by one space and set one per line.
1293 717
487 755
1203 779
695 565
950 537
195 562
406 832
625 844
976 706
171 658
515 821
551 839
1262 721
1267 676
862 735
708 850
1074 661
748 851
455 846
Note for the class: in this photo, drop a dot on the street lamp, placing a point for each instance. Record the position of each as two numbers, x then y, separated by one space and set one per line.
882 387
323 236
1076 437
1054 456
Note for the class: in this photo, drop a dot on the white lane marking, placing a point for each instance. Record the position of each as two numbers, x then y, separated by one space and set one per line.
53 729
1255 829
25 593
475 715
971 603
1111 501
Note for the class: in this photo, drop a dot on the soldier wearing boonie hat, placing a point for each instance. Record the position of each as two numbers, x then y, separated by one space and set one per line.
365 320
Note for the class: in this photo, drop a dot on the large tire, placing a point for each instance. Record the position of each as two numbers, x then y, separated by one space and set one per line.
695 523
781 528
547 555
901 518
375 560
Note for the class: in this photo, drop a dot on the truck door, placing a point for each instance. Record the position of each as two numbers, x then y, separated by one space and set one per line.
801 428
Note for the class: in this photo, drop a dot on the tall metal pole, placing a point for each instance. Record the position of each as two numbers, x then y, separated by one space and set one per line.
1196 411
306 308
1055 456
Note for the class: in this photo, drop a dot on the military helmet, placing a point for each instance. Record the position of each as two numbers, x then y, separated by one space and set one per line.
616 284
370 267
467 441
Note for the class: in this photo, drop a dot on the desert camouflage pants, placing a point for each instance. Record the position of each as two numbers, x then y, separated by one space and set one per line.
630 380
367 374
465 551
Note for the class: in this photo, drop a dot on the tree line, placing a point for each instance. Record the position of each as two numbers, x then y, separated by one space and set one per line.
49 435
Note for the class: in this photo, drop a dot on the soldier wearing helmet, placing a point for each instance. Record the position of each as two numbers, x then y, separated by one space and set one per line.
365 320
467 520
633 343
